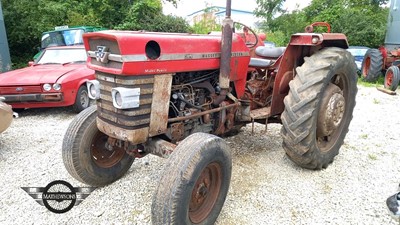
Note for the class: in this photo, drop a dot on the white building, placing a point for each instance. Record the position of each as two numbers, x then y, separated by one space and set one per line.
218 13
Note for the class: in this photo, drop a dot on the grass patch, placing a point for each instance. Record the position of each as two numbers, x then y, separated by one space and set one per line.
376 101
377 83
364 136
372 157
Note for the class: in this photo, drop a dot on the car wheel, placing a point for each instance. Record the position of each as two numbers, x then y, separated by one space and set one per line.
82 100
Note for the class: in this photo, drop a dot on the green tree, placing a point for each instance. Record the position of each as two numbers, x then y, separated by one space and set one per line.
147 15
26 20
363 21
269 8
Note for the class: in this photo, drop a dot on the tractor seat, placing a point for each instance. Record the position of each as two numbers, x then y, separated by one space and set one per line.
270 52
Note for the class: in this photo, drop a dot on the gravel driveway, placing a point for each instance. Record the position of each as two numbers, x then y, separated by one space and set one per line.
266 187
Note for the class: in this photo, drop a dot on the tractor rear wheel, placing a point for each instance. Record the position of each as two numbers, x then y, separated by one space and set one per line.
195 182
86 155
319 107
372 65
392 78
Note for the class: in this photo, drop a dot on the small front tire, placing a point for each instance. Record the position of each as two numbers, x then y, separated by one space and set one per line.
85 154
195 182
392 78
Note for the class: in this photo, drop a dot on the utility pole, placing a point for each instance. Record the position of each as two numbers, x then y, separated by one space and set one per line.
5 61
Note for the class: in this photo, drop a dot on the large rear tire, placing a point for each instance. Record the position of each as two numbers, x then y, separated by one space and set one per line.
392 78
86 156
195 182
371 67
319 107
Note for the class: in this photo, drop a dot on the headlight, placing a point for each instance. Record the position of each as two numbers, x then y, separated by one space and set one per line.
46 87
125 98
57 87
118 99
315 40
93 89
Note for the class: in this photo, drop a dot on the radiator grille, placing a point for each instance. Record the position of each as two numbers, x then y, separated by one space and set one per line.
130 118
21 90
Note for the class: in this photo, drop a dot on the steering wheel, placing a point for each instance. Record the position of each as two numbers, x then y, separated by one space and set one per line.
246 29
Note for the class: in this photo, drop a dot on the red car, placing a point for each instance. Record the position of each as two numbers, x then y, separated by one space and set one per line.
57 78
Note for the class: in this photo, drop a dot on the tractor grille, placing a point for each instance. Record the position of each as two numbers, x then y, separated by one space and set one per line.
130 119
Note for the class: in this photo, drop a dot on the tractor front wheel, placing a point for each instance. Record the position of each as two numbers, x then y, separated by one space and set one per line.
319 107
392 78
87 155
195 182
372 65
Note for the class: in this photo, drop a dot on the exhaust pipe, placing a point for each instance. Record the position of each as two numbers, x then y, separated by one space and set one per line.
226 54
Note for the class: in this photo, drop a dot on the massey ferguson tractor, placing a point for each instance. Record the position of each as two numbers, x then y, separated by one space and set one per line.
175 95
387 57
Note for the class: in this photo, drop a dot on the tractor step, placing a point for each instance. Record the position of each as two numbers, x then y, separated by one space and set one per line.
261 113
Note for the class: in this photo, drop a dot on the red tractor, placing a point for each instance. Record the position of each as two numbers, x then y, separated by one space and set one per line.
386 58
173 95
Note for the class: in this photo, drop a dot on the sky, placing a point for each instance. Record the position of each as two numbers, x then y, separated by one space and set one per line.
186 7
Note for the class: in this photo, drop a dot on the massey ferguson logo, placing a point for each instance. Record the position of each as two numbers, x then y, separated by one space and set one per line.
19 89
102 54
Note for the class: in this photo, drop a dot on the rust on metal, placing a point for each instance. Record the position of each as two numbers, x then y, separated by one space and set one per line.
205 193
331 112
136 136
159 147
261 113
160 105
105 152
177 131
176 119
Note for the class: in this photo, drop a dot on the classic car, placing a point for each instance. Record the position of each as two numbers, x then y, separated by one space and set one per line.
56 79
358 52
6 115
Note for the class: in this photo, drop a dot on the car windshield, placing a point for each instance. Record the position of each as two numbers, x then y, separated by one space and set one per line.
62 38
61 56
357 51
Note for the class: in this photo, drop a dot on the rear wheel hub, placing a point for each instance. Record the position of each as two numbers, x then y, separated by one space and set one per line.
331 112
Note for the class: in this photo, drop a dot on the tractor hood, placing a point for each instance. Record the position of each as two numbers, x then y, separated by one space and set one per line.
37 74
149 53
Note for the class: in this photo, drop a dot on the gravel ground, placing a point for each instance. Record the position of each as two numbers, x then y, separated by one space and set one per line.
266 187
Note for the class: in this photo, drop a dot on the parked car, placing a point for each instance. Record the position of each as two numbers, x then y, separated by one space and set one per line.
6 115
56 79
358 52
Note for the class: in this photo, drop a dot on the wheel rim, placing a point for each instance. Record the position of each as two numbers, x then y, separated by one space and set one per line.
331 115
102 156
366 66
84 99
389 78
205 193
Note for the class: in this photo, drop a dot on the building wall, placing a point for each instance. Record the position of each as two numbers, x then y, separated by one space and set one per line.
5 61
